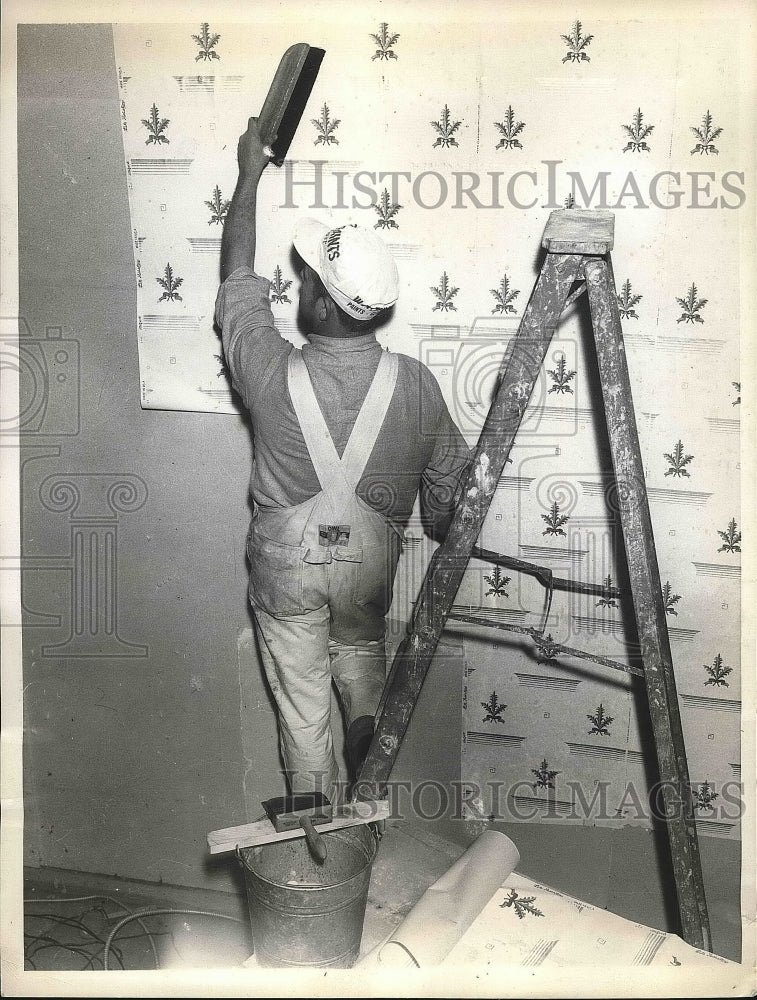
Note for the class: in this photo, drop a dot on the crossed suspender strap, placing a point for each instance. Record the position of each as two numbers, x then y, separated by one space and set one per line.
339 476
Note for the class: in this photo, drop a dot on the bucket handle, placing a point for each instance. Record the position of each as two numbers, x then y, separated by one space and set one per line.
238 854
373 828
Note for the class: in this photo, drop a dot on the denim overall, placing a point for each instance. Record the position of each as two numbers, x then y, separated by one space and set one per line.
321 584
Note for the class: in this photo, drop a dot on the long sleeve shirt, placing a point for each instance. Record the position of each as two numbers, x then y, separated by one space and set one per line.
419 447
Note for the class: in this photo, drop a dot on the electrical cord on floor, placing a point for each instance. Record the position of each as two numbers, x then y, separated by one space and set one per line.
74 922
47 939
43 942
110 899
40 942
137 915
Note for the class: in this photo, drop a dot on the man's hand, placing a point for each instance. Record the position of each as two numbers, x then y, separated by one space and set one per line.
251 153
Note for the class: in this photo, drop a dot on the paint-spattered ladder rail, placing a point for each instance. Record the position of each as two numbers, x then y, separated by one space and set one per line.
577 245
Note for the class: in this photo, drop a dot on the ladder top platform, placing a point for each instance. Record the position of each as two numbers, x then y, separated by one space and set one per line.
574 230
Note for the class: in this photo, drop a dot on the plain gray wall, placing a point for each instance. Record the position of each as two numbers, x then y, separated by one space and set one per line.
130 761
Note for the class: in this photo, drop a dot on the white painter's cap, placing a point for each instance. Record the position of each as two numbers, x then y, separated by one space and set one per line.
354 264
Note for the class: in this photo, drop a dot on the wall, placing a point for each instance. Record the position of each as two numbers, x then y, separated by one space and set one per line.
133 749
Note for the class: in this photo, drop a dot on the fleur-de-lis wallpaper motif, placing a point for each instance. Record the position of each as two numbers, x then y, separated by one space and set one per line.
678 461
494 709
607 600
444 293
731 538
386 212
637 133
509 131
561 377
554 520
717 673
569 201
325 126
549 650
545 778
279 286
577 43
445 129
706 135
207 43
223 371
218 206
156 126
504 296
169 282
497 583
669 599
521 904
600 722
627 301
691 306
385 43
704 797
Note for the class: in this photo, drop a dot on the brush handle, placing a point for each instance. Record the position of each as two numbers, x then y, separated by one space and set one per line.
316 843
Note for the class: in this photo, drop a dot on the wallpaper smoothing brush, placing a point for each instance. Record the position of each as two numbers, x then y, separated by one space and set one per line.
286 99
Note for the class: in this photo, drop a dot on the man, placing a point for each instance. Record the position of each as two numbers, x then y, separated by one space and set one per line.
345 436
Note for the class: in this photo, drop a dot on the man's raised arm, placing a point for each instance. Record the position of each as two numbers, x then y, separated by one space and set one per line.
238 241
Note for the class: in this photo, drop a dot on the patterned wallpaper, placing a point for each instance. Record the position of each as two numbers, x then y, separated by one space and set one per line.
455 137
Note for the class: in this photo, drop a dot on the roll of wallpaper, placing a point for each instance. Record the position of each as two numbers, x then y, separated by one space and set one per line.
447 908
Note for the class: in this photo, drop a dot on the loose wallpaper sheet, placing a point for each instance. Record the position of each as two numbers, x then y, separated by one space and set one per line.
455 139
530 924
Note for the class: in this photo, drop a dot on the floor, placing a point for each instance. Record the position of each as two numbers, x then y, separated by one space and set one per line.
75 921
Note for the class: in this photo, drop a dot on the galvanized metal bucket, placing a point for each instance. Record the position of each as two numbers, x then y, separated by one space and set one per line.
303 913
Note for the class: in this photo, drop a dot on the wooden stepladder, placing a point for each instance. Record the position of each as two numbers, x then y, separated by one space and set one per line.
577 245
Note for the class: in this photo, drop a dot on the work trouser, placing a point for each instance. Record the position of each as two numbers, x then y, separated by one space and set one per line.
318 620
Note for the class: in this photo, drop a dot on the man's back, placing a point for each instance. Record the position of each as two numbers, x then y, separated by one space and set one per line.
418 445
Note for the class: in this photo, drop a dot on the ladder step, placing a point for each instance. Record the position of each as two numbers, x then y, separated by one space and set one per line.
544 574
552 648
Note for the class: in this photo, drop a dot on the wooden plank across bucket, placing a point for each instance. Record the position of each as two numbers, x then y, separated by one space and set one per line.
262 831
